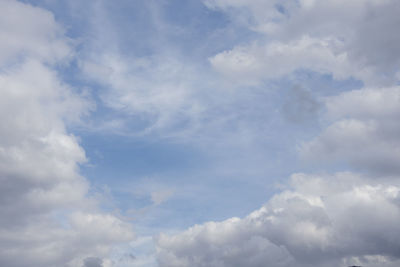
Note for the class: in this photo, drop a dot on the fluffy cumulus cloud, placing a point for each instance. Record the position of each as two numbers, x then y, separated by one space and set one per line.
343 219
318 221
46 218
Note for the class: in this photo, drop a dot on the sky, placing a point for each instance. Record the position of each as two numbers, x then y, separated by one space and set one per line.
166 133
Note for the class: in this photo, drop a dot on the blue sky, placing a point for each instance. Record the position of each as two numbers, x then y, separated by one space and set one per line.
199 133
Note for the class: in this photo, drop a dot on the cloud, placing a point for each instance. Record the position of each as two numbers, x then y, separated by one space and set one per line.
158 197
346 39
46 217
30 31
93 262
364 131
319 220
251 64
155 89
300 106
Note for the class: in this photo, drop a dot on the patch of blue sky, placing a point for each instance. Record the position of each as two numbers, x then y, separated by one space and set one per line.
125 157
200 32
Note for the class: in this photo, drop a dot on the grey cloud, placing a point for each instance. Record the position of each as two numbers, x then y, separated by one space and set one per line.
300 105
364 131
375 43
93 262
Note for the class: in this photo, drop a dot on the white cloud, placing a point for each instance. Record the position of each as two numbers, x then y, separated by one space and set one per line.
30 31
318 221
348 39
46 217
252 63
156 90
158 197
